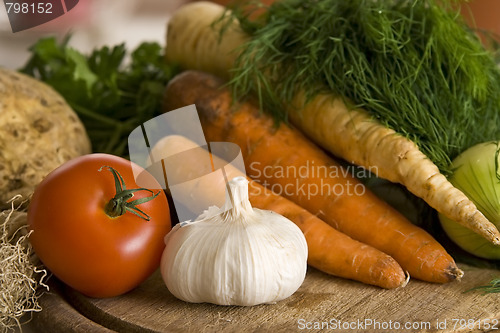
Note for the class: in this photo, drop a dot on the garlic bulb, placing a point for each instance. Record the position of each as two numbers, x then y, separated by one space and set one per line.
235 255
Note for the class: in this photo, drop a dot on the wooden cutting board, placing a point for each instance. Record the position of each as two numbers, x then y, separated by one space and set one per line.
323 303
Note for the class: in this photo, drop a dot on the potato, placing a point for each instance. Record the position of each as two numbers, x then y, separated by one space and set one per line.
38 132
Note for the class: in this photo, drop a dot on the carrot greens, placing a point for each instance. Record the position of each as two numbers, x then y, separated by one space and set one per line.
413 65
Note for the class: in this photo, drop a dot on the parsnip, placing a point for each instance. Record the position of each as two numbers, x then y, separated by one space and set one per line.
194 42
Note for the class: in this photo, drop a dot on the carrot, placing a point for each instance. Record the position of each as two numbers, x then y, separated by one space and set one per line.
329 250
345 203
195 42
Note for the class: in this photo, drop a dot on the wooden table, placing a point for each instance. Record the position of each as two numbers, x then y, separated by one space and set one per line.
323 303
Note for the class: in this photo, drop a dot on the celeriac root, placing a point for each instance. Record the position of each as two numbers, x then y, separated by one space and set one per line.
195 42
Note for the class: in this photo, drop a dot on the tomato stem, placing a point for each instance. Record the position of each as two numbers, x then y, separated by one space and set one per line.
119 204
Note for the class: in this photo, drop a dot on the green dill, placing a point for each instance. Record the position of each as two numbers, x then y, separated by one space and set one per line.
413 65
492 287
112 91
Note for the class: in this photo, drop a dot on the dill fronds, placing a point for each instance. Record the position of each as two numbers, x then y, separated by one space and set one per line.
413 64
492 287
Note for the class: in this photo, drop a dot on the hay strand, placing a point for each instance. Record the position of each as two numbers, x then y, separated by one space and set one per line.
21 277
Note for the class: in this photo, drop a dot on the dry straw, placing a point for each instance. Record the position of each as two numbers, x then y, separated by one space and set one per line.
21 278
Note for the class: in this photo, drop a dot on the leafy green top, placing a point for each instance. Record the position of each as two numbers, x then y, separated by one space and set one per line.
413 64
111 94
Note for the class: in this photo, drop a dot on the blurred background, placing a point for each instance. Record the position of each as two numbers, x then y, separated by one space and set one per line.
92 23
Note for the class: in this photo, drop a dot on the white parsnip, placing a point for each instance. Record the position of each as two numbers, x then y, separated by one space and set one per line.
194 42
342 131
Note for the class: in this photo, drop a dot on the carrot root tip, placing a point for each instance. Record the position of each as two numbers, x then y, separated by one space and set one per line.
405 282
454 273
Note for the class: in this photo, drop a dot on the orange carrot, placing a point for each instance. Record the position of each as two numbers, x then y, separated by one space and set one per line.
276 155
329 250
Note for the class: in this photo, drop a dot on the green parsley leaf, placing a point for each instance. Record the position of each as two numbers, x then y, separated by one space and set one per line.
111 90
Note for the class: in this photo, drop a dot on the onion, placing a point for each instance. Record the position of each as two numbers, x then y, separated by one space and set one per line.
477 174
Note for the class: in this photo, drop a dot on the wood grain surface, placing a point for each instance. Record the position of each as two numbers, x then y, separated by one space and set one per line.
60 316
320 303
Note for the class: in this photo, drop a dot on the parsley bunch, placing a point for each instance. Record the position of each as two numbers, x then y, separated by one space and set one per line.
111 93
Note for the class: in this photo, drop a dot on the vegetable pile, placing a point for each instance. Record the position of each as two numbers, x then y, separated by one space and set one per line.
353 134
47 120
400 88
329 250
382 234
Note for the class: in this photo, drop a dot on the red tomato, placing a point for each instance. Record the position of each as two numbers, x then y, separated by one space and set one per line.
74 237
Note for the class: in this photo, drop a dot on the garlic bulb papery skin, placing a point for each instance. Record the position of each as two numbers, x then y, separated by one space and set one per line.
235 255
